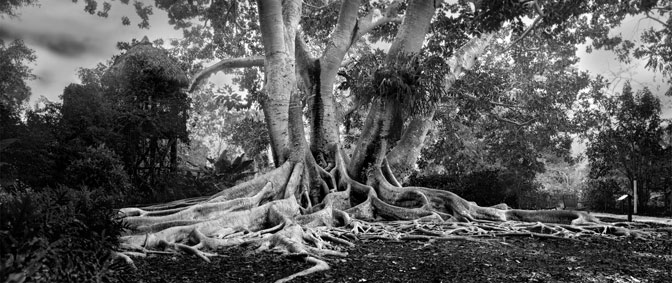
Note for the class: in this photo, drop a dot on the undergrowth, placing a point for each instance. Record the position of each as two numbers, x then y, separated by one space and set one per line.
57 235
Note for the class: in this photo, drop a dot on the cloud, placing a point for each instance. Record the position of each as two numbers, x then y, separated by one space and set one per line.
60 43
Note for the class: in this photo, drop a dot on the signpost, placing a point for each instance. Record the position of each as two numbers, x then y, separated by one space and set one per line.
623 197
634 192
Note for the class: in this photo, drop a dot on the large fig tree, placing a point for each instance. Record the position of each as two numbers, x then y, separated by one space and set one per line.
320 197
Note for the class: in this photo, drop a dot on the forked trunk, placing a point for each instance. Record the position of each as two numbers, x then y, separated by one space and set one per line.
324 118
377 136
280 75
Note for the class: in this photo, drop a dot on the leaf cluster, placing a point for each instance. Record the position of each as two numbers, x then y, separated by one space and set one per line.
411 81
8 7
628 141
14 74
487 187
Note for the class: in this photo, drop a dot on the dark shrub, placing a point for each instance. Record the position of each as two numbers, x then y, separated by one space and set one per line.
601 195
60 235
99 167
485 188
170 187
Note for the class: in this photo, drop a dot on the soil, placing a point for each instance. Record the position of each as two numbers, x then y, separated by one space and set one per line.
518 259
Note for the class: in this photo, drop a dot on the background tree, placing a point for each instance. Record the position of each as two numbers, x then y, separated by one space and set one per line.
17 143
627 143
14 60
508 116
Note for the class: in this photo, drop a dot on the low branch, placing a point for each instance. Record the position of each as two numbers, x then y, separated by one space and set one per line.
255 61
389 16
377 23
526 32
495 103
515 123
648 16
534 24
317 7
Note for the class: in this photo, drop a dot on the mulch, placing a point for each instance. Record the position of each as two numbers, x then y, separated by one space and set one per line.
517 259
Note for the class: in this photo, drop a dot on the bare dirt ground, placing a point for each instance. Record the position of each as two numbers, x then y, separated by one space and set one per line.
518 259
635 218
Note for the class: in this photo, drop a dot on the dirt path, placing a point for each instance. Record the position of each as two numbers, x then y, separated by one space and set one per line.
635 218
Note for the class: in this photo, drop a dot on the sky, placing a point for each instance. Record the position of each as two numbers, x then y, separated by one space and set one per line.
66 38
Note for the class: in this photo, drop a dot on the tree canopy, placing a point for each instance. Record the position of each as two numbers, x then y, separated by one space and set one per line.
626 143
15 74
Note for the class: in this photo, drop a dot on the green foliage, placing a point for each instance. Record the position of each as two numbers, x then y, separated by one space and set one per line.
251 135
229 172
99 167
61 235
88 118
136 107
601 195
32 158
412 82
8 7
224 118
174 186
627 142
485 187
144 87
507 112
14 73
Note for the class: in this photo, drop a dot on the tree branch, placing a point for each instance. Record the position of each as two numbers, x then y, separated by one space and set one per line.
317 7
515 123
505 105
390 15
537 8
305 62
464 58
495 103
255 61
347 21
656 19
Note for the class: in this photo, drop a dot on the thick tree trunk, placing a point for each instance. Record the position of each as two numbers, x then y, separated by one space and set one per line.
402 157
324 118
408 41
280 76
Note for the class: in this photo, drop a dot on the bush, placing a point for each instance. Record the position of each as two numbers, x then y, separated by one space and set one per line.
60 235
170 187
99 167
601 195
485 188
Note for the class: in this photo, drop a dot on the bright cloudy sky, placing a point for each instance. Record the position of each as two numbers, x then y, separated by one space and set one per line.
65 38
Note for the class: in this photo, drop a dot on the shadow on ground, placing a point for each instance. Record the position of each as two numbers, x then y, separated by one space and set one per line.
493 260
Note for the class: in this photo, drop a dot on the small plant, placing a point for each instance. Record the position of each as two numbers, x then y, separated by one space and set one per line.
229 172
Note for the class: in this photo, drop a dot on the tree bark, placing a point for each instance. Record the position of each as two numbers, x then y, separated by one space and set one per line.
280 76
324 119
408 41
402 157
